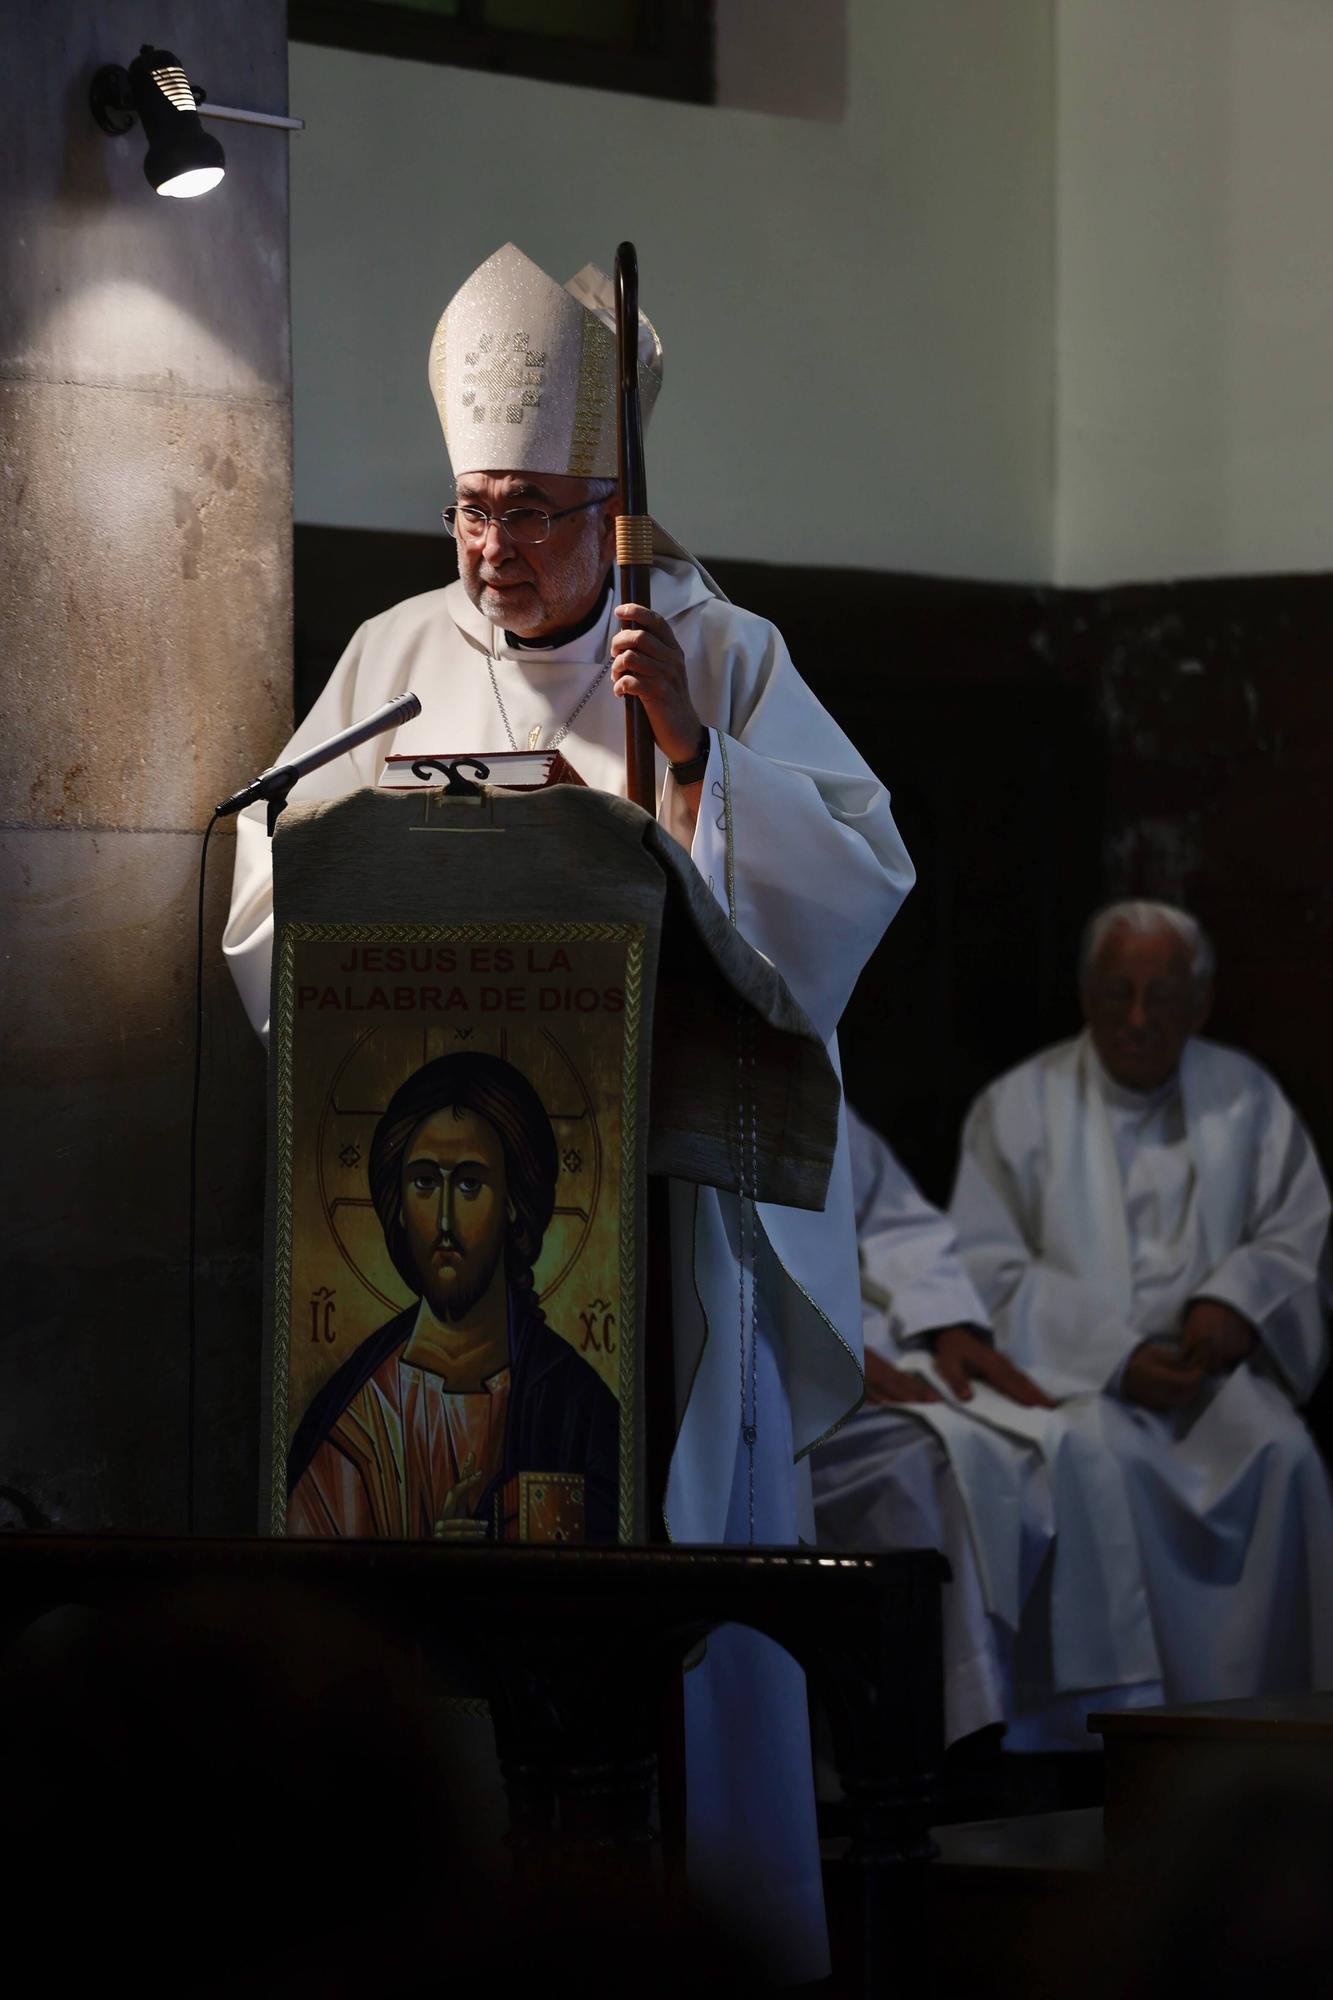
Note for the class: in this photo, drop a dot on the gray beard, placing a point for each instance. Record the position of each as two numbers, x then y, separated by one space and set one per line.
568 584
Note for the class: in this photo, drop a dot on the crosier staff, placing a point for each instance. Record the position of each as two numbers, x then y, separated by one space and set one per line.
634 528
634 569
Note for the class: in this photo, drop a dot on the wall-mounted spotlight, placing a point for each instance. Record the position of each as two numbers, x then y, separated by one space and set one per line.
182 159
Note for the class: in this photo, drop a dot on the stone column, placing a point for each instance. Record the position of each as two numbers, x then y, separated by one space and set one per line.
145 631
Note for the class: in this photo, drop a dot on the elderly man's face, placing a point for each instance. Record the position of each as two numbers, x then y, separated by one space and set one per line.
1141 1004
535 590
453 1209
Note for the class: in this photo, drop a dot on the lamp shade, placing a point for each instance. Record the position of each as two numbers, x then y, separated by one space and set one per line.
182 159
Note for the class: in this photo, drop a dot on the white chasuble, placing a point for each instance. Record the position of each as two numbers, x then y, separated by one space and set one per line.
797 843
1089 1217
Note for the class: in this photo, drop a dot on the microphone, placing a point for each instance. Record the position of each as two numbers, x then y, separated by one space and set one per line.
277 781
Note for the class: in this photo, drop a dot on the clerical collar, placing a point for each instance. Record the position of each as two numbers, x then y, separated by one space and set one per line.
554 640
1121 1095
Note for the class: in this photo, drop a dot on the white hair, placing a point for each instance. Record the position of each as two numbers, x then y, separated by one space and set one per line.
1142 917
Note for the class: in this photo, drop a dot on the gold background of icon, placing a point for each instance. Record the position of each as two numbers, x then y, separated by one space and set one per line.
341 1055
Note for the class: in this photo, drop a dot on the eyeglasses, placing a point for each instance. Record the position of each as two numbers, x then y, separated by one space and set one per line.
525 525
1161 997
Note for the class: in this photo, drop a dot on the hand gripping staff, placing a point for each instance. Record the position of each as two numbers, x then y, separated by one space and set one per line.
634 528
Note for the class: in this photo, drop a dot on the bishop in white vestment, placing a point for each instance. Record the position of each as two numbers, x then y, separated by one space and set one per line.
793 833
1146 1222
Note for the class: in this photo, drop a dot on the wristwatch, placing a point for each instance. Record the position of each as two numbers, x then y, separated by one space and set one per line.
692 769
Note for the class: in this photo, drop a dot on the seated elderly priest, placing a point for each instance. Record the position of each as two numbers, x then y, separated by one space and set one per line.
1146 1223
951 1427
529 649
1129 1502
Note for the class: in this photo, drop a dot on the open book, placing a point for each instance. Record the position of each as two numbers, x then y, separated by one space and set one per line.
517 770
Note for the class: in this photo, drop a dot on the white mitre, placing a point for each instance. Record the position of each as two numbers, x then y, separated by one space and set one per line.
523 371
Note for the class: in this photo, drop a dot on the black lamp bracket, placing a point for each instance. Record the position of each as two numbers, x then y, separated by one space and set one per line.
112 99
112 102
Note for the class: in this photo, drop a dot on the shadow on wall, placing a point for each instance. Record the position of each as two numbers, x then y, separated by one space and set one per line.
766 57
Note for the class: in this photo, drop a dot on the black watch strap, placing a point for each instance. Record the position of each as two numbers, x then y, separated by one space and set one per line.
692 769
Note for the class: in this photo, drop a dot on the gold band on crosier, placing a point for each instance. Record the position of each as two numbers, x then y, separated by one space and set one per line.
634 539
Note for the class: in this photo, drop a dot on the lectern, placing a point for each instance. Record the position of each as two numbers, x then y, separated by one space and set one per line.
494 1015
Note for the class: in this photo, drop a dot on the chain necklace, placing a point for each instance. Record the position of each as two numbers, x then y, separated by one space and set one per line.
534 733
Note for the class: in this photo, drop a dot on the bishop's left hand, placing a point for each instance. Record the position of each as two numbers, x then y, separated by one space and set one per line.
1215 1337
646 660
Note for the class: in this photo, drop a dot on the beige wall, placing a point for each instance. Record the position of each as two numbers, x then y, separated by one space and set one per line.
1052 298
1195 287
145 634
856 313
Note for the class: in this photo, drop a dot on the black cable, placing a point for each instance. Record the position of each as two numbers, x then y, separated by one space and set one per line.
190 1316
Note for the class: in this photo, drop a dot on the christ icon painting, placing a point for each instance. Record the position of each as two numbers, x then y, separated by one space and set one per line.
465 1416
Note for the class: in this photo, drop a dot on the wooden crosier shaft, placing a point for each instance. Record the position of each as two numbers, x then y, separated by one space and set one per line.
634 528
634 569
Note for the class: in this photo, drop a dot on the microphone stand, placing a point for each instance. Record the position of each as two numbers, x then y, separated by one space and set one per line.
274 785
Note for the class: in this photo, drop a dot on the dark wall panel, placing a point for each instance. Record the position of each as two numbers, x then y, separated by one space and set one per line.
1046 750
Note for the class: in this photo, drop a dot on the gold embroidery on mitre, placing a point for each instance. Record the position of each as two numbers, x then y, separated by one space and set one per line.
555 356
502 381
592 396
